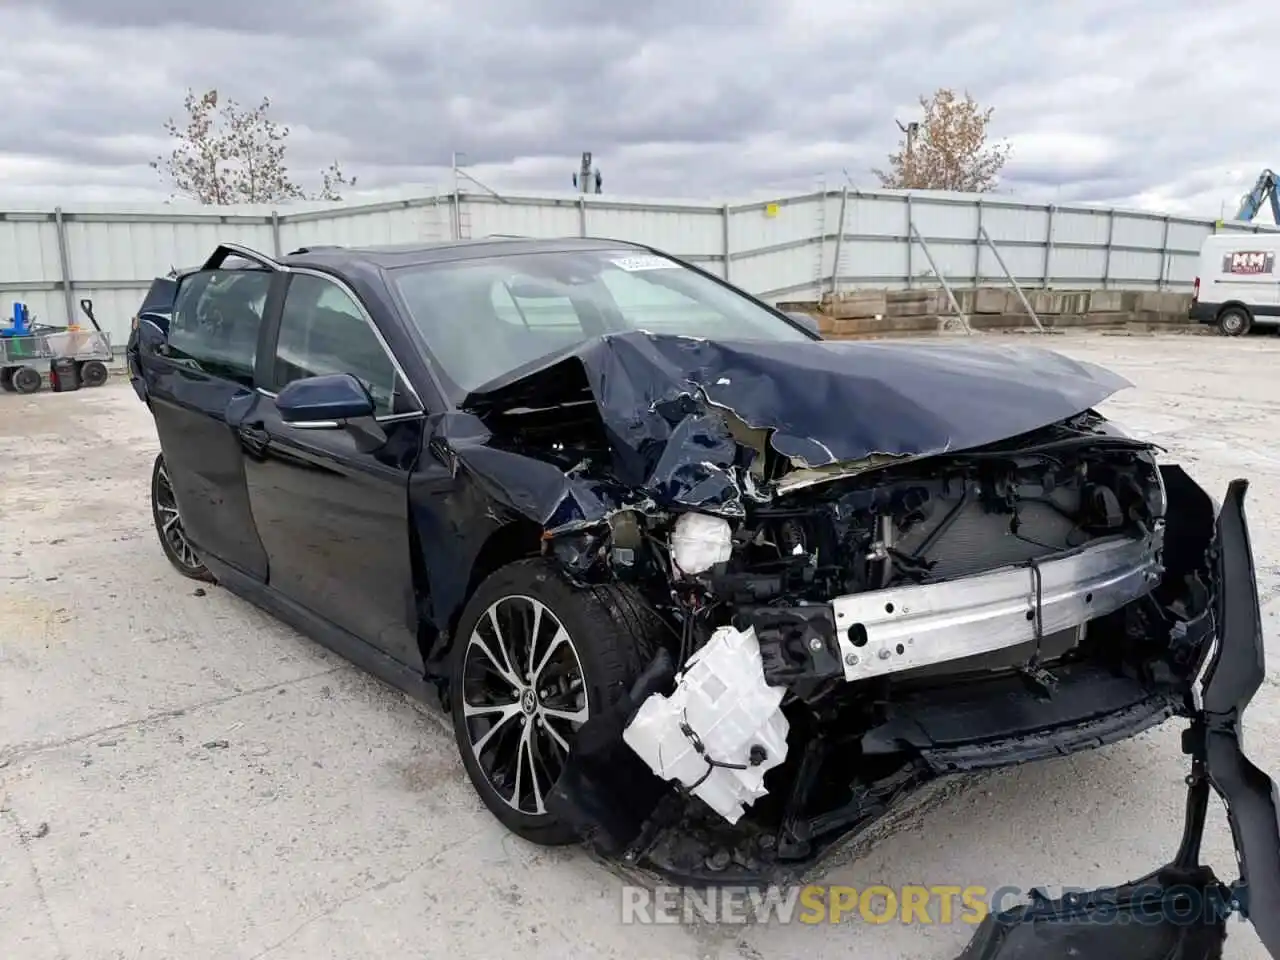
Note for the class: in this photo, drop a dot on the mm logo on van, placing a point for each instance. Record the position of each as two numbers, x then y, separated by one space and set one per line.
1249 261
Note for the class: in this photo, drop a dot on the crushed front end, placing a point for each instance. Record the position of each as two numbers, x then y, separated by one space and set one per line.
848 640
849 605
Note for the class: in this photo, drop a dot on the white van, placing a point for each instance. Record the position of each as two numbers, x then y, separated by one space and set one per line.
1237 284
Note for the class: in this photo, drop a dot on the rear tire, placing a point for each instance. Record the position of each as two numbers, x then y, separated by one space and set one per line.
1234 322
6 380
173 538
26 380
93 373
583 659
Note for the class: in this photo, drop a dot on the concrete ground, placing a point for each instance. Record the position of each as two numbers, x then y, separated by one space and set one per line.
181 776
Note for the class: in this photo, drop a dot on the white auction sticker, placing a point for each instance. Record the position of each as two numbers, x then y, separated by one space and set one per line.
644 262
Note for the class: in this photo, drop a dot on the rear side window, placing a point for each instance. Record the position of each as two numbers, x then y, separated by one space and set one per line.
159 298
324 331
216 319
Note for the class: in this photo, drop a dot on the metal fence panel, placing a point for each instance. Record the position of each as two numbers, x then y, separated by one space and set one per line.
1081 226
108 251
793 247
788 221
1016 224
945 221
1135 269
1138 232
426 222
694 233
484 217
28 250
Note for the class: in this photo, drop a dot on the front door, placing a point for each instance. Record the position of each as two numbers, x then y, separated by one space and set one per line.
332 504
202 370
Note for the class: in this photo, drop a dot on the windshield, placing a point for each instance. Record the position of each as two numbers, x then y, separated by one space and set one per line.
483 318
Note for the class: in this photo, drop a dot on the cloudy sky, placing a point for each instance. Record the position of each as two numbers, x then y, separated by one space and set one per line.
1159 104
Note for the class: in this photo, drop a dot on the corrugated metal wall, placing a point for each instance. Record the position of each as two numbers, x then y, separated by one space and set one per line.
790 249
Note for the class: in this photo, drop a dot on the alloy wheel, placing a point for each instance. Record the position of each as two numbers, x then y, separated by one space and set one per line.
171 523
523 700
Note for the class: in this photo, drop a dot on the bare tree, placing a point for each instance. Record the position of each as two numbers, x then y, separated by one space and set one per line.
225 153
332 180
948 150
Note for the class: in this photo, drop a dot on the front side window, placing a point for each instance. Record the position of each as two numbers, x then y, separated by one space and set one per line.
483 318
323 331
217 316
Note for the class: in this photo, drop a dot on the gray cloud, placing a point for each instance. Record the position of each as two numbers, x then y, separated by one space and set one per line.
1141 102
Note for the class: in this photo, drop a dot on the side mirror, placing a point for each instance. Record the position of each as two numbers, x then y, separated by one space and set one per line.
324 401
808 321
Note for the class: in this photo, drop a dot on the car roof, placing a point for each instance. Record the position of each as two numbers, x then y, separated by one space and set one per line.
416 254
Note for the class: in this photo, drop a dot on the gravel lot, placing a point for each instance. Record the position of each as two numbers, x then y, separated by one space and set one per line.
182 776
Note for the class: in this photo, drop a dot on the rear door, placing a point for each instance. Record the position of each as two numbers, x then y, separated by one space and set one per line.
332 503
203 368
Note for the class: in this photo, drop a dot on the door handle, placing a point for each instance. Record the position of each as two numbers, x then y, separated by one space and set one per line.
254 436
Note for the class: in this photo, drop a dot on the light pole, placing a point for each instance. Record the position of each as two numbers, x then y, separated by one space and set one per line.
910 129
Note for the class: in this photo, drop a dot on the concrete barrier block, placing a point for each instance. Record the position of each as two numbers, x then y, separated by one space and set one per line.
1163 317
999 321
858 303
1160 302
853 327
990 300
1045 302
909 303
1075 301
1105 301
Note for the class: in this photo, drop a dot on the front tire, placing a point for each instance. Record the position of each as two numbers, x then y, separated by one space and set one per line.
173 538
534 657
1234 322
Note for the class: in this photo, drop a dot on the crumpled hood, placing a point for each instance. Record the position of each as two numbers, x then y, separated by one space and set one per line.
822 402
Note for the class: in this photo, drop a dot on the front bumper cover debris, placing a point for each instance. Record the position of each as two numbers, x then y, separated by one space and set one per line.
1180 911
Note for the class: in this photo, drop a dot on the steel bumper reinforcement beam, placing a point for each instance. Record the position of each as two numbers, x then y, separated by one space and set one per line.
916 626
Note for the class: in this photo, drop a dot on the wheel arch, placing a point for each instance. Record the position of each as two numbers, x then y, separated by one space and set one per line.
517 538
1233 305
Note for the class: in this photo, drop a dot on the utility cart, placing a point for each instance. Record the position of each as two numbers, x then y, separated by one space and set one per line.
73 356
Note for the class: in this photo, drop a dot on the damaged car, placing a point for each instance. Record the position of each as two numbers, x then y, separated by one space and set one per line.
696 586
